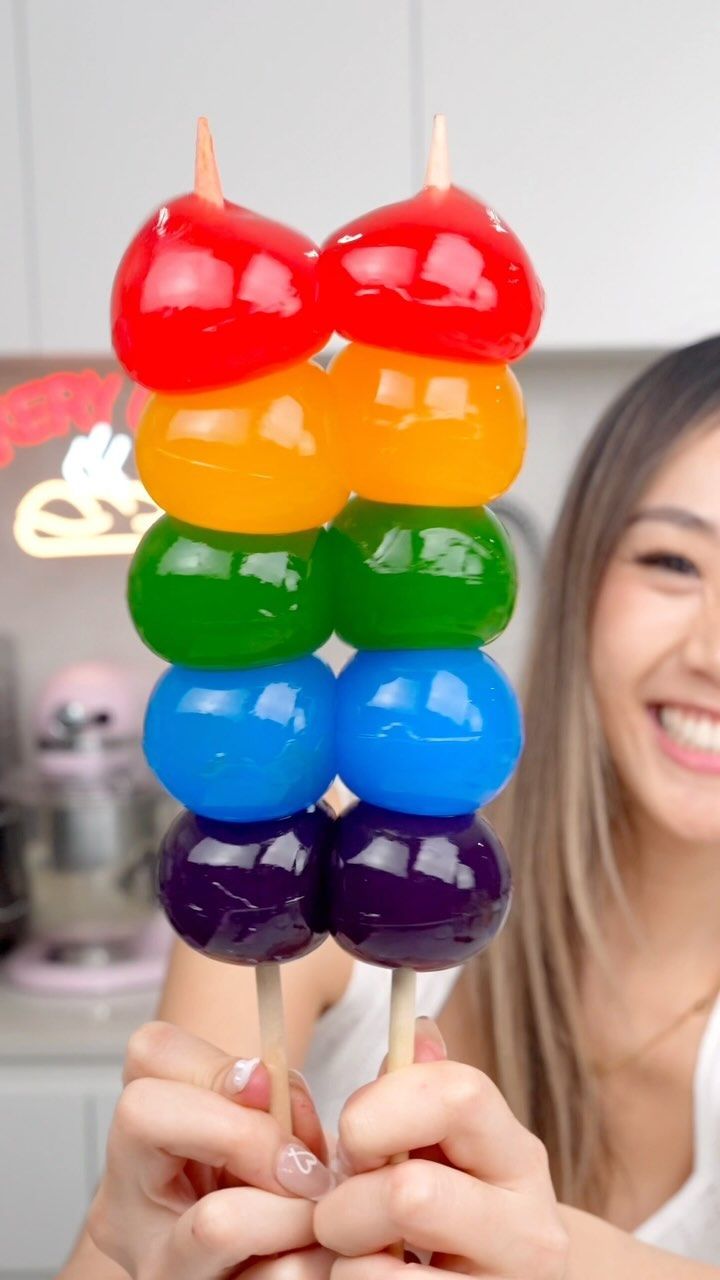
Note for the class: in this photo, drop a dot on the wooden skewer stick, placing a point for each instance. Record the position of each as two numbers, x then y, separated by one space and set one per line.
437 173
401 1048
269 988
272 1042
207 175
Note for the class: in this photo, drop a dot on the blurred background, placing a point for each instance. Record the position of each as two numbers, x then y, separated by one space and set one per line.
591 128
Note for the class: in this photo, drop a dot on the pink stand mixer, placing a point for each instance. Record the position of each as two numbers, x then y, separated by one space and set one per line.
91 816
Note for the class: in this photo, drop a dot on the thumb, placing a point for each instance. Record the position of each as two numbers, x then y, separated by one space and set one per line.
162 1051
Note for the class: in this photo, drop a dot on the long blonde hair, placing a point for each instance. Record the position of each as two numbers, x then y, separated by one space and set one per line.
561 814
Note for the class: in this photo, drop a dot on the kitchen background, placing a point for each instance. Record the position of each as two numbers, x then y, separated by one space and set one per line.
592 128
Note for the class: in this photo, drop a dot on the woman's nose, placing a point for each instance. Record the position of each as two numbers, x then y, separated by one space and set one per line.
702 648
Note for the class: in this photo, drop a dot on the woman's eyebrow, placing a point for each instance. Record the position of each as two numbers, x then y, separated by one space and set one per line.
679 516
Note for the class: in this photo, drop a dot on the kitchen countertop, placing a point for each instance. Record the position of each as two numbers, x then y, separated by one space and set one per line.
68 1029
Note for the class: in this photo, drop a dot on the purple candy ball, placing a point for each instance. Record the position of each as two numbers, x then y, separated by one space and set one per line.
414 892
248 892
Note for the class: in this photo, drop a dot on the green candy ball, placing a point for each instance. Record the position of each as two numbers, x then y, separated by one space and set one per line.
420 577
200 598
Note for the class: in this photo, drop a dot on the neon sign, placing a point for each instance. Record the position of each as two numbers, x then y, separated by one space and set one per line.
94 507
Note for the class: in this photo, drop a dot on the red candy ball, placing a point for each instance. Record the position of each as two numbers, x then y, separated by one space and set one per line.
208 296
438 275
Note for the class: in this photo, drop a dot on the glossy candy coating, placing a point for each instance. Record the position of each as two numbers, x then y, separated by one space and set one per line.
439 275
243 746
416 892
207 296
253 458
426 731
420 577
248 893
426 432
205 599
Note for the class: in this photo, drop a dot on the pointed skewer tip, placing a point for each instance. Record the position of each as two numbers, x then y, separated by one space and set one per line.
437 173
207 177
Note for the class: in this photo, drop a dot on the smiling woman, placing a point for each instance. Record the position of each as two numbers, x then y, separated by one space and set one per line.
594 998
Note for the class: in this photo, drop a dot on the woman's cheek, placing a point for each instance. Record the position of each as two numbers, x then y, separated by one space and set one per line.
622 634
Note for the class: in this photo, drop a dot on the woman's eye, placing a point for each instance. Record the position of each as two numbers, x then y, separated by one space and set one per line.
668 560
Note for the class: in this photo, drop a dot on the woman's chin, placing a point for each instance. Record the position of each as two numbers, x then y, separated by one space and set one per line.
678 789
682 805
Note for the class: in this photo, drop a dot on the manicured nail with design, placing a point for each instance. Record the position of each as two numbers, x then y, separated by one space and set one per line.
240 1074
301 1173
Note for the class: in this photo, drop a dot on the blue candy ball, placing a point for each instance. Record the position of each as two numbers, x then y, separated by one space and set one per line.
242 746
427 731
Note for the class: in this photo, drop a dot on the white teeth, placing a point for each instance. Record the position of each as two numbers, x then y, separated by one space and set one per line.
692 729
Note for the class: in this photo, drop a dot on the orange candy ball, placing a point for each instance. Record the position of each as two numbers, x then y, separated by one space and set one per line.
426 432
254 458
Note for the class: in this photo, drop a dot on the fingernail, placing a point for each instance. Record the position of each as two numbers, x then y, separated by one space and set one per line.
301 1173
433 1046
240 1074
299 1078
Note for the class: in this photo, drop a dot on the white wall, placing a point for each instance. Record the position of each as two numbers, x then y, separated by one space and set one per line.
592 127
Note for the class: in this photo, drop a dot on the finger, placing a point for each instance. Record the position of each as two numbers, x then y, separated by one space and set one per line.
161 1051
228 1227
448 1104
307 1125
165 1052
439 1209
381 1266
311 1264
159 1124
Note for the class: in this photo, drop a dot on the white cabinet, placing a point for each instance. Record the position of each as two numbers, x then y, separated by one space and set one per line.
43 1137
594 131
309 104
60 1076
16 225
592 128
53 1125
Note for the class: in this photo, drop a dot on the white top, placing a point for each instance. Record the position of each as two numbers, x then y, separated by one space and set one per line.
350 1041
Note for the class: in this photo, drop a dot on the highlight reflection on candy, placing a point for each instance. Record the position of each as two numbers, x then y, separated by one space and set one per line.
440 275
242 746
206 599
253 458
416 892
426 731
426 432
420 577
248 893
208 295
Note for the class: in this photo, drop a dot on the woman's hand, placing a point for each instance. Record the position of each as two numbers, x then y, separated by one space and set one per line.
477 1195
198 1187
